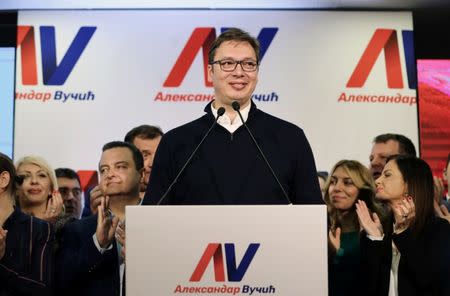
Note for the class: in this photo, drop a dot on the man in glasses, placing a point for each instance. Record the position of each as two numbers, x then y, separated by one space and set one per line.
228 167
71 193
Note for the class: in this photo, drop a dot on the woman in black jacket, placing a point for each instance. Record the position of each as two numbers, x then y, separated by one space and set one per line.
26 243
410 255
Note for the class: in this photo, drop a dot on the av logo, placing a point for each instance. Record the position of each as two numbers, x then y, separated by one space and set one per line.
386 39
214 251
52 73
202 38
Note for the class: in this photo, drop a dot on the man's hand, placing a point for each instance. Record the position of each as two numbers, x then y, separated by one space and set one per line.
120 236
96 195
441 211
106 224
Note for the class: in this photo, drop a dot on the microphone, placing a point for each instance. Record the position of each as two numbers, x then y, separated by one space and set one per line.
220 112
236 106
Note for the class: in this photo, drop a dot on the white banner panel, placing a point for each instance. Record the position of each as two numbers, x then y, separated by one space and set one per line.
87 77
226 250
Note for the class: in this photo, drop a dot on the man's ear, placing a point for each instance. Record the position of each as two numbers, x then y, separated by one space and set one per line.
142 174
210 72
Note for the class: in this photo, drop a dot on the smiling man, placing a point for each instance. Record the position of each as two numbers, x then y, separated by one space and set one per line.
228 167
90 260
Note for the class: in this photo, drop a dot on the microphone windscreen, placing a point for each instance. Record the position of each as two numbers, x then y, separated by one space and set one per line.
19 180
221 111
236 105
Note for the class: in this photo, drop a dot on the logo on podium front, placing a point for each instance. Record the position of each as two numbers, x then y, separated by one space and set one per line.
234 272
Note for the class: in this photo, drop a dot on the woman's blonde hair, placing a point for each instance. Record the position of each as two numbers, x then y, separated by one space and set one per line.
43 164
362 179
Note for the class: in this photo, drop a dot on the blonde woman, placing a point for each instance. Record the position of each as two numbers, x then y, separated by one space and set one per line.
26 243
38 189
349 182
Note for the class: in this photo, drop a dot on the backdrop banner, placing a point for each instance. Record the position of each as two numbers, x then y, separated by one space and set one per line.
85 78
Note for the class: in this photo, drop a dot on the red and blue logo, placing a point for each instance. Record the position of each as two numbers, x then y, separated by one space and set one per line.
201 39
52 73
235 272
386 40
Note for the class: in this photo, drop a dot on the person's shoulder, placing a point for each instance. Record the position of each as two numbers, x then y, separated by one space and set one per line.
187 129
277 122
280 128
439 227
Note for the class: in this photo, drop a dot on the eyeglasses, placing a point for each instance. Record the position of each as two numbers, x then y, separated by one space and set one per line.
229 65
66 190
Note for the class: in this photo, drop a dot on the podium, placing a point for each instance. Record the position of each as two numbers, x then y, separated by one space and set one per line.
226 250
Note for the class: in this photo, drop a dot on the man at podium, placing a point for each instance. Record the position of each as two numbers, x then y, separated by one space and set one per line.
235 154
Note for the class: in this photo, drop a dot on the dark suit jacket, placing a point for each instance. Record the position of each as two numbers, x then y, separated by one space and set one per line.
82 269
27 266
424 267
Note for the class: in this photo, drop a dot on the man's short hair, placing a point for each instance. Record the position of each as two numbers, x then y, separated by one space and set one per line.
144 131
67 173
137 155
233 34
406 147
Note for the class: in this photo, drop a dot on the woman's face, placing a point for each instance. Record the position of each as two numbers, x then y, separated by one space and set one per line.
390 185
343 193
36 186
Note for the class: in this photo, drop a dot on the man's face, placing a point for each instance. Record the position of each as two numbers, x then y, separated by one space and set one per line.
237 85
380 153
72 196
148 149
118 174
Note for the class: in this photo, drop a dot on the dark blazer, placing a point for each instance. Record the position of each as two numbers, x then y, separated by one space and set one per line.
27 266
82 269
424 267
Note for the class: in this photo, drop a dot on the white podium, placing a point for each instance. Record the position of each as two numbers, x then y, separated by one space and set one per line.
226 250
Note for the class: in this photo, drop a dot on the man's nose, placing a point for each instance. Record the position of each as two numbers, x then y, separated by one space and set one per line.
376 161
238 70
70 195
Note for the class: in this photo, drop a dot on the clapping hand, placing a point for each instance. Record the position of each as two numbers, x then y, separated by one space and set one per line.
335 238
55 206
106 224
120 236
404 213
370 223
96 195
441 211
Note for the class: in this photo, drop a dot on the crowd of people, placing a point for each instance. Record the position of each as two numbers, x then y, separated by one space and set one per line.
389 223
